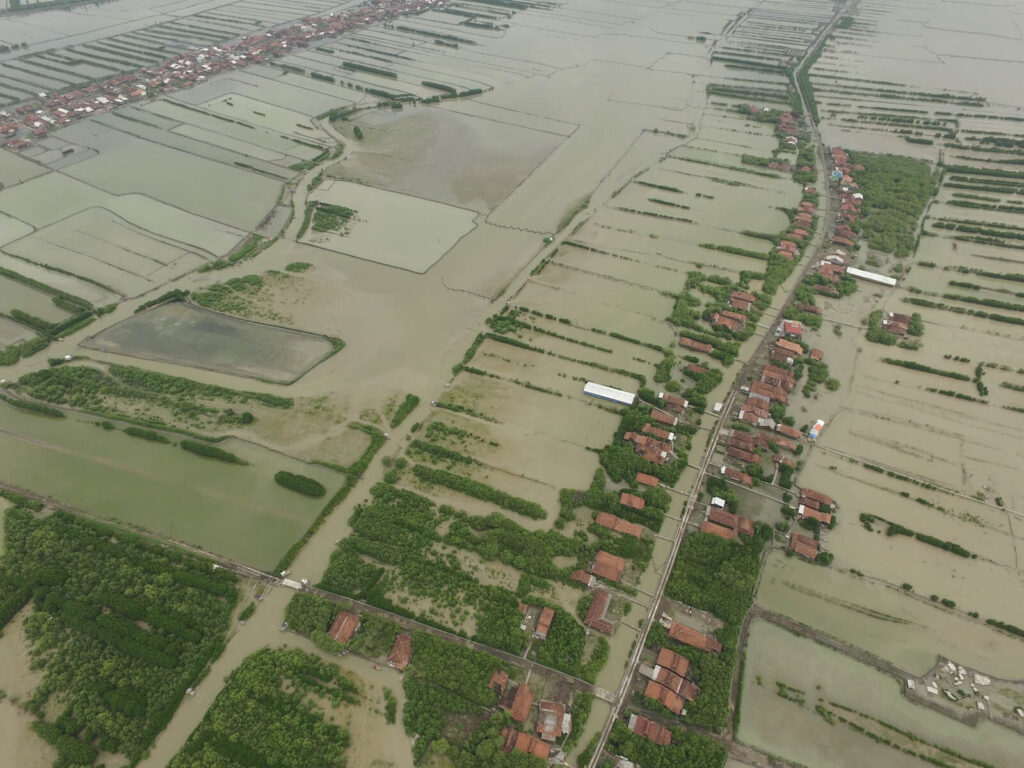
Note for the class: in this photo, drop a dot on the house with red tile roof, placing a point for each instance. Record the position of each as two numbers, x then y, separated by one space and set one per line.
597 612
617 524
804 546
641 726
648 480
552 722
522 702
717 530
584 578
544 623
608 566
664 696
499 681
672 661
825 518
523 742
344 626
686 635
401 652
696 346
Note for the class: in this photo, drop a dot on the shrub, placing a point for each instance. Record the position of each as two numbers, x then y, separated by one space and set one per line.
300 484
211 452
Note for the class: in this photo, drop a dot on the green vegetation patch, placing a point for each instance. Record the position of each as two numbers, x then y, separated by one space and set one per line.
211 452
331 218
271 713
404 409
121 628
896 191
300 484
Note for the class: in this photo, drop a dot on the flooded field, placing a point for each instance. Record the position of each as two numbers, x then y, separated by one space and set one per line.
442 155
186 335
813 677
236 511
428 229
904 628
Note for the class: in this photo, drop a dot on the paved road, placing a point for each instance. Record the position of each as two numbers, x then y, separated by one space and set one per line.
755 359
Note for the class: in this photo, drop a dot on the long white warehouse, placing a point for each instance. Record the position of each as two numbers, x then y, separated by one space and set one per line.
608 393
873 277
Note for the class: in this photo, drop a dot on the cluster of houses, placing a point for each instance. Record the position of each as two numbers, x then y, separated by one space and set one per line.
553 721
667 681
655 443
813 505
734 319
53 110
789 245
787 130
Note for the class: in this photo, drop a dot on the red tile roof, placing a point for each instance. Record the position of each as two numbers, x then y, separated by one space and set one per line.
549 722
344 626
674 403
817 496
690 636
520 709
584 578
617 524
825 518
803 545
653 431
673 661
608 566
717 530
499 681
595 618
660 693
544 623
736 475
788 431
699 346
663 418
657 733
531 745
650 480
790 346
401 652
631 501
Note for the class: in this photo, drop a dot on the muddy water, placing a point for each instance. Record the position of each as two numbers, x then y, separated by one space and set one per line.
784 728
908 630
21 745
439 154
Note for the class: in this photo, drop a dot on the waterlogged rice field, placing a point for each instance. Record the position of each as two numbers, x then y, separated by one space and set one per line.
187 335
820 676
235 511
427 230
441 155
905 629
